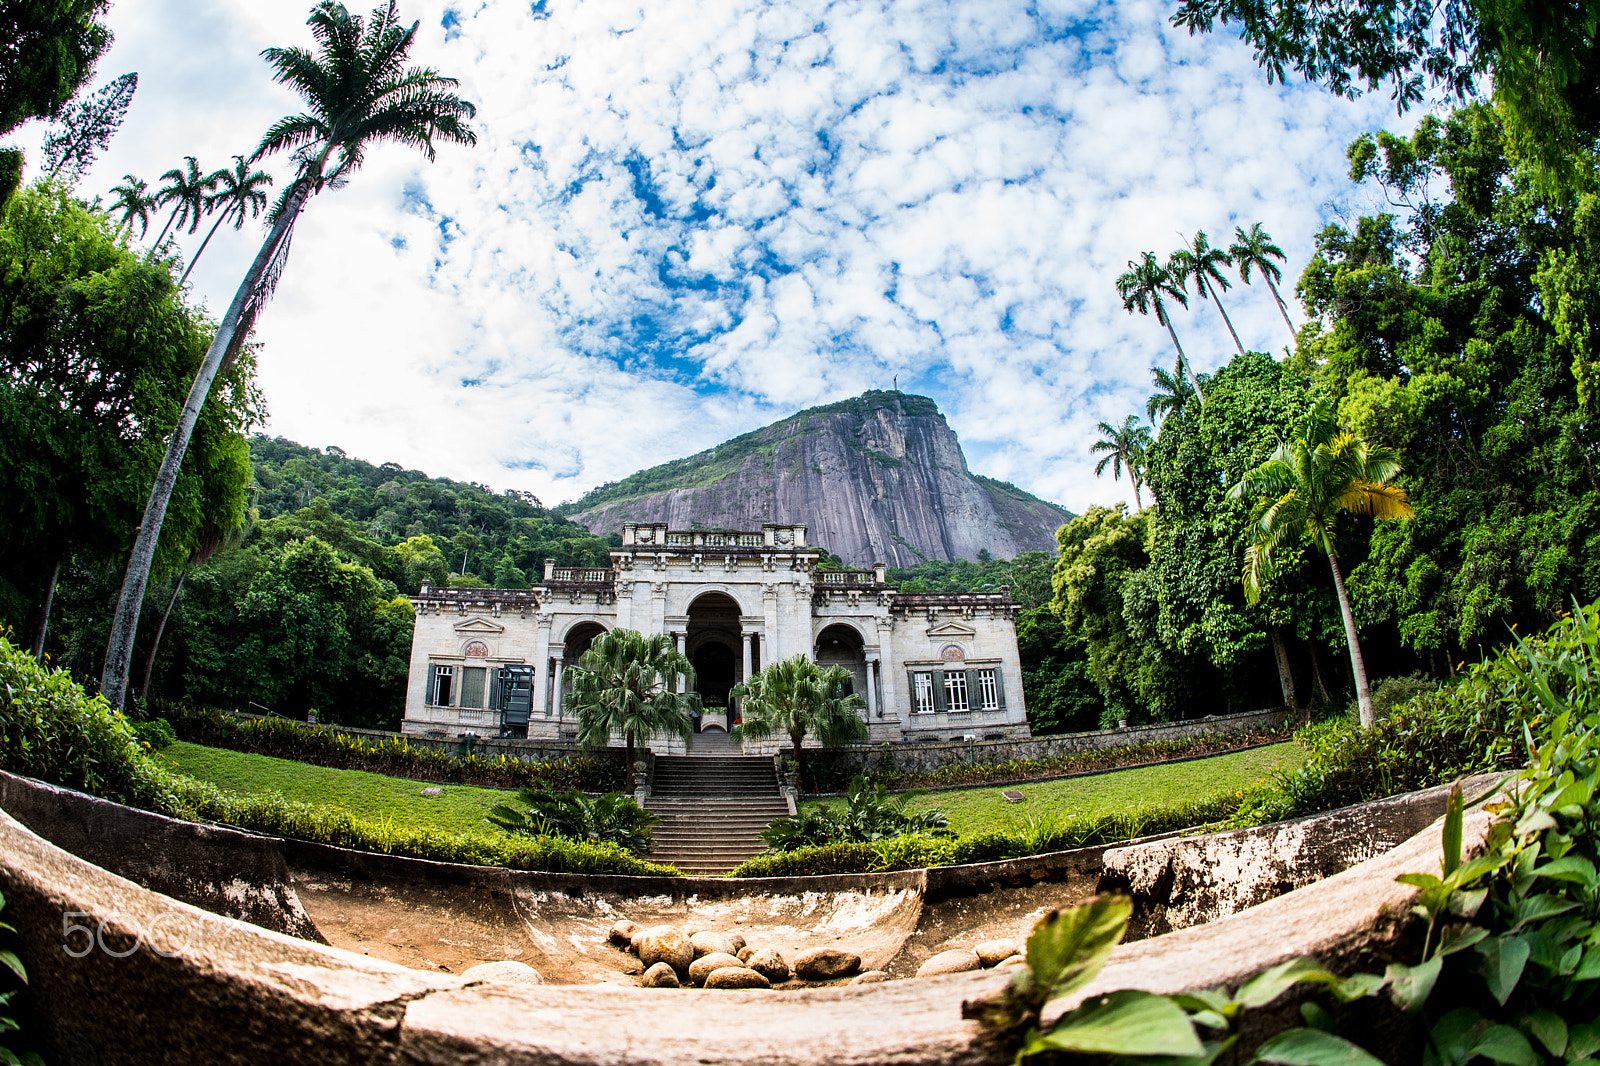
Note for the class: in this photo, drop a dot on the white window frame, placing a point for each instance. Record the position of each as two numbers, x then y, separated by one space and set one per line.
435 671
989 688
922 692
955 692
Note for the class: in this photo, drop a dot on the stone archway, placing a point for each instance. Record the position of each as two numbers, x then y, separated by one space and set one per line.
712 644
841 645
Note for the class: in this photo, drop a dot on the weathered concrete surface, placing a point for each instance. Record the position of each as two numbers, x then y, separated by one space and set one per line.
218 869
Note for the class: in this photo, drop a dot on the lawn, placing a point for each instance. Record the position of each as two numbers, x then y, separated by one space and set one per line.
977 810
365 795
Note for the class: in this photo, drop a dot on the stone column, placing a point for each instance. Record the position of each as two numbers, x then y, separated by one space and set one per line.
541 662
889 702
772 649
872 696
744 642
556 691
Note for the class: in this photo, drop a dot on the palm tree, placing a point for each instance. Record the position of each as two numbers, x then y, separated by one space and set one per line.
625 684
796 696
1200 261
1172 393
239 193
1142 287
133 199
358 92
186 190
1125 446
1255 249
1302 489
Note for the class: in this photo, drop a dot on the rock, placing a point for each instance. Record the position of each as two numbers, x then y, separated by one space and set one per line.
769 964
433 790
635 940
824 964
705 965
745 953
660 976
738 941
706 942
993 952
870 977
957 960
1015 960
736 977
622 933
665 943
509 972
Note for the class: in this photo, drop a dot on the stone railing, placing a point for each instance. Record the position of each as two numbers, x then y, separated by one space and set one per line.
846 577
574 575
954 599
716 540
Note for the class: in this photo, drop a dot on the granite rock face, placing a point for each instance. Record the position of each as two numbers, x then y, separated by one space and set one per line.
878 478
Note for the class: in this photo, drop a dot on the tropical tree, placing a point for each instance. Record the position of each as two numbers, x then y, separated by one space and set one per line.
1172 393
70 148
1300 491
1141 286
1201 262
134 201
613 818
1256 250
239 193
358 92
186 190
796 696
1123 446
627 683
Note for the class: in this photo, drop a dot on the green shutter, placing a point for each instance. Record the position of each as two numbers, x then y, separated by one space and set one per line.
494 688
939 703
433 684
973 700
1000 686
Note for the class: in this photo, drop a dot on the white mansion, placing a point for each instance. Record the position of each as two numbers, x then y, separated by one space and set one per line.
929 667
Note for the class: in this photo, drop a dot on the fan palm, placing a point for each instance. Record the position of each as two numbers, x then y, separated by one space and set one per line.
239 194
796 696
613 818
1123 446
1256 250
1141 286
135 203
358 92
186 190
1172 393
624 684
1201 262
1300 491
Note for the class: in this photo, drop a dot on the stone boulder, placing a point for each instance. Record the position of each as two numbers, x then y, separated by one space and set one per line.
622 933
769 964
870 977
1014 960
736 977
825 964
705 965
957 960
660 976
993 952
668 944
509 972
745 953
707 942
738 941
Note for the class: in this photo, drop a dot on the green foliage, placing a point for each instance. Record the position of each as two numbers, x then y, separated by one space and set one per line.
395 756
626 683
47 50
797 696
869 814
613 818
154 734
12 969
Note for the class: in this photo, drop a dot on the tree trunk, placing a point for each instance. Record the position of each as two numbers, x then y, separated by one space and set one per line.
155 645
1280 650
170 220
1283 308
1215 298
1184 359
1358 665
798 739
223 217
42 622
1319 688
627 739
119 648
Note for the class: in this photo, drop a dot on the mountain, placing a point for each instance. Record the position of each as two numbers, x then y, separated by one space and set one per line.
877 478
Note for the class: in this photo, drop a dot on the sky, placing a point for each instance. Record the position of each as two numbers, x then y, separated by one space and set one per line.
683 222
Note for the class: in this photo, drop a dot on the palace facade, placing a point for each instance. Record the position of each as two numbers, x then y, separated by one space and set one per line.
929 667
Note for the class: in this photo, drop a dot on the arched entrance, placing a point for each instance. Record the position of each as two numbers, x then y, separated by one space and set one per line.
712 645
577 641
841 645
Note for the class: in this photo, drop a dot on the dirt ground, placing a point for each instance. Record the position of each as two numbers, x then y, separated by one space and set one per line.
563 936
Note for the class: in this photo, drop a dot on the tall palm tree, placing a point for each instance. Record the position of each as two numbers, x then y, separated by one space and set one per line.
1201 262
1141 286
134 201
625 684
358 92
1255 249
1301 490
238 193
1172 393
186 190
1124 446
796 696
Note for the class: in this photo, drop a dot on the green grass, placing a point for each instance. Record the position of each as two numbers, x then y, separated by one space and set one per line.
979 810
459 808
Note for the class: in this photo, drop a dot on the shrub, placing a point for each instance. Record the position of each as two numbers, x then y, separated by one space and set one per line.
613 818
1391 692
154 734
870 814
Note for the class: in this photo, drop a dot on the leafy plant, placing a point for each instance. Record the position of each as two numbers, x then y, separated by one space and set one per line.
613 818
869 814
10 962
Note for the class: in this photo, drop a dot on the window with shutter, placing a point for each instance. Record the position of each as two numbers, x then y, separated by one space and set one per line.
472 683
922 693
988 689
955 691
443 682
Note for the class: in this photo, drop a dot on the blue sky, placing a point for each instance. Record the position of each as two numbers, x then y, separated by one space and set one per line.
685 221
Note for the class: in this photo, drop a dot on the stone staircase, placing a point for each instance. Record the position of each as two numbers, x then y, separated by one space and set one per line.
713 808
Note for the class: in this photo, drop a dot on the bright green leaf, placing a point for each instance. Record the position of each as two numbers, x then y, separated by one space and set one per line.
1270 984
1583 1040
1411 985
1128 1023
1068 947
1313 1047
1452 831
1454 938
1573 868
1503 1044
1549 1028
10 961
1503 960
1538 908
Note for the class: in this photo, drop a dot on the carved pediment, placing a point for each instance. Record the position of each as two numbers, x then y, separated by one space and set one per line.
478 625
951 630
